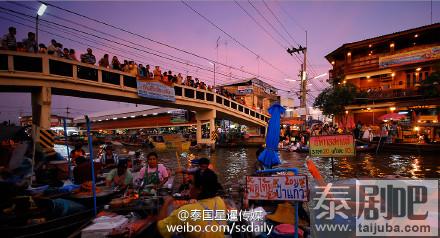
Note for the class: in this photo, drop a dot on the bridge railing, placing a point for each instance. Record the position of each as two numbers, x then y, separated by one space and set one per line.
44 64
218 100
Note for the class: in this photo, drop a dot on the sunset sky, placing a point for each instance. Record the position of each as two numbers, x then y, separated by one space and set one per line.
329 25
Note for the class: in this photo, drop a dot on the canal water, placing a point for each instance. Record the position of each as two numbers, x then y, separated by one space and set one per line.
233 164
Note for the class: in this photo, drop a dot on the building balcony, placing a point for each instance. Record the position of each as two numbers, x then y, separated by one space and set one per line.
392 94
363 64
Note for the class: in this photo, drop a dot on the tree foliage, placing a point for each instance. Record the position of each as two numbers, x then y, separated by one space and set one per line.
334 99
430 87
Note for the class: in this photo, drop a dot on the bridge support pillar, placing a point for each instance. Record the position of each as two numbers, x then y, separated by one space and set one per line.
41 114
201 118
41 102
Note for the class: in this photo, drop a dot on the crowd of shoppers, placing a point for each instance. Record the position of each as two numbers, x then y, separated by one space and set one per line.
29 44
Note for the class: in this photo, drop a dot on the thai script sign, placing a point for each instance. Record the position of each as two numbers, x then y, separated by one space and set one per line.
285 187
243 90
155 90
332 146
410 57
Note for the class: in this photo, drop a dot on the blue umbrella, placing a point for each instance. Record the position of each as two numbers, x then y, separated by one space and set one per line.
269 156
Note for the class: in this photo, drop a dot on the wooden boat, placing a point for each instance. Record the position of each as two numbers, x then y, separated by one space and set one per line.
362 146
58 227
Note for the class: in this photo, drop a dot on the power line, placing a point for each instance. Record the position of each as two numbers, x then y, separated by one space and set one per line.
264 29
233 38
273 28
282 25
267 21
116 42
149 39
104 33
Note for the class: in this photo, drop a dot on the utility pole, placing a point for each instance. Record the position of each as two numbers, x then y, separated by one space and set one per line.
67 112
303 100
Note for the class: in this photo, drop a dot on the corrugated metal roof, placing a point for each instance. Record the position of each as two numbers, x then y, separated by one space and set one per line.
125 112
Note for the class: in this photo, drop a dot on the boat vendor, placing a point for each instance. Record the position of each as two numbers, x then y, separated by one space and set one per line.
205 189
153 174
109 159
82 171
203 165
120 176
77 152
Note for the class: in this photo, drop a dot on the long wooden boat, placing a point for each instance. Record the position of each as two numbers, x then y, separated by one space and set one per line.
58 227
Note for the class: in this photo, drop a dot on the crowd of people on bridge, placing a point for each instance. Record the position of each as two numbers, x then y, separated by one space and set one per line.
30 44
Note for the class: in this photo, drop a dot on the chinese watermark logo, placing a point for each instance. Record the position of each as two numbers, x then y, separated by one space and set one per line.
377 208
329 195
397 208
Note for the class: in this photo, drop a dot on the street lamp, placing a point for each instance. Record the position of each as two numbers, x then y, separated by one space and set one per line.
40 13
213 64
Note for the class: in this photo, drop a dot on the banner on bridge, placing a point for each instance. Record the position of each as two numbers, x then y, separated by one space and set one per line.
332 146
155 90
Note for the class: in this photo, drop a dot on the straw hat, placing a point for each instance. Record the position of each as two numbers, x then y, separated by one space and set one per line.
285 214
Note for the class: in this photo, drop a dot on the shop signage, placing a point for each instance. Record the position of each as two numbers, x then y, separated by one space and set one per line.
332 146
410 57
155 90
244 90
179 116
286 187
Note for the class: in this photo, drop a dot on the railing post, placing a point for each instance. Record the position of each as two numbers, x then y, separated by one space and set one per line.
195 93
45 61
10 63
121 80
99 75
74 71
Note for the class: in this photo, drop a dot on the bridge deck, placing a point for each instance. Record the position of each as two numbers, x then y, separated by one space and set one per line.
23 72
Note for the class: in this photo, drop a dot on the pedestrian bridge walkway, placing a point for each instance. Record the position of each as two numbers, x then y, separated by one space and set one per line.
44 75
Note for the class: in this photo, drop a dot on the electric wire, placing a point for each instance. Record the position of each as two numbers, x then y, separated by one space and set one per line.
233 38
149 39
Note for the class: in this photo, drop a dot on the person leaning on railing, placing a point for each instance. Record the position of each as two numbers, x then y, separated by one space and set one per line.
72 55
9 42
104 62
88 57
29 43
42 49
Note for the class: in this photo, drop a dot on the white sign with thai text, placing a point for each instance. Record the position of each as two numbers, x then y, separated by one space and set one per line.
283 187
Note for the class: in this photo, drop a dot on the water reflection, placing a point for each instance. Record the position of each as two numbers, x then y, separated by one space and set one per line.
233 164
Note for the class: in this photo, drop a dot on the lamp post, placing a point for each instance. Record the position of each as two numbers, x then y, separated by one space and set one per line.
40 13
213 64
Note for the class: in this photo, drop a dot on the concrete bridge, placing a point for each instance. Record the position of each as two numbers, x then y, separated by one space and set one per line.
44 75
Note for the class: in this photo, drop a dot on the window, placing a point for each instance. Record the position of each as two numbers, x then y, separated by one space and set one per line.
426 75
408 80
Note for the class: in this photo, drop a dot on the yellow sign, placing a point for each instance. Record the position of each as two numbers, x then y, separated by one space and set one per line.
332 146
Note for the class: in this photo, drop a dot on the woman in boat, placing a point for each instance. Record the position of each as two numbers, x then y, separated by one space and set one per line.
109 159
82 171
205 188
153 174
120 177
